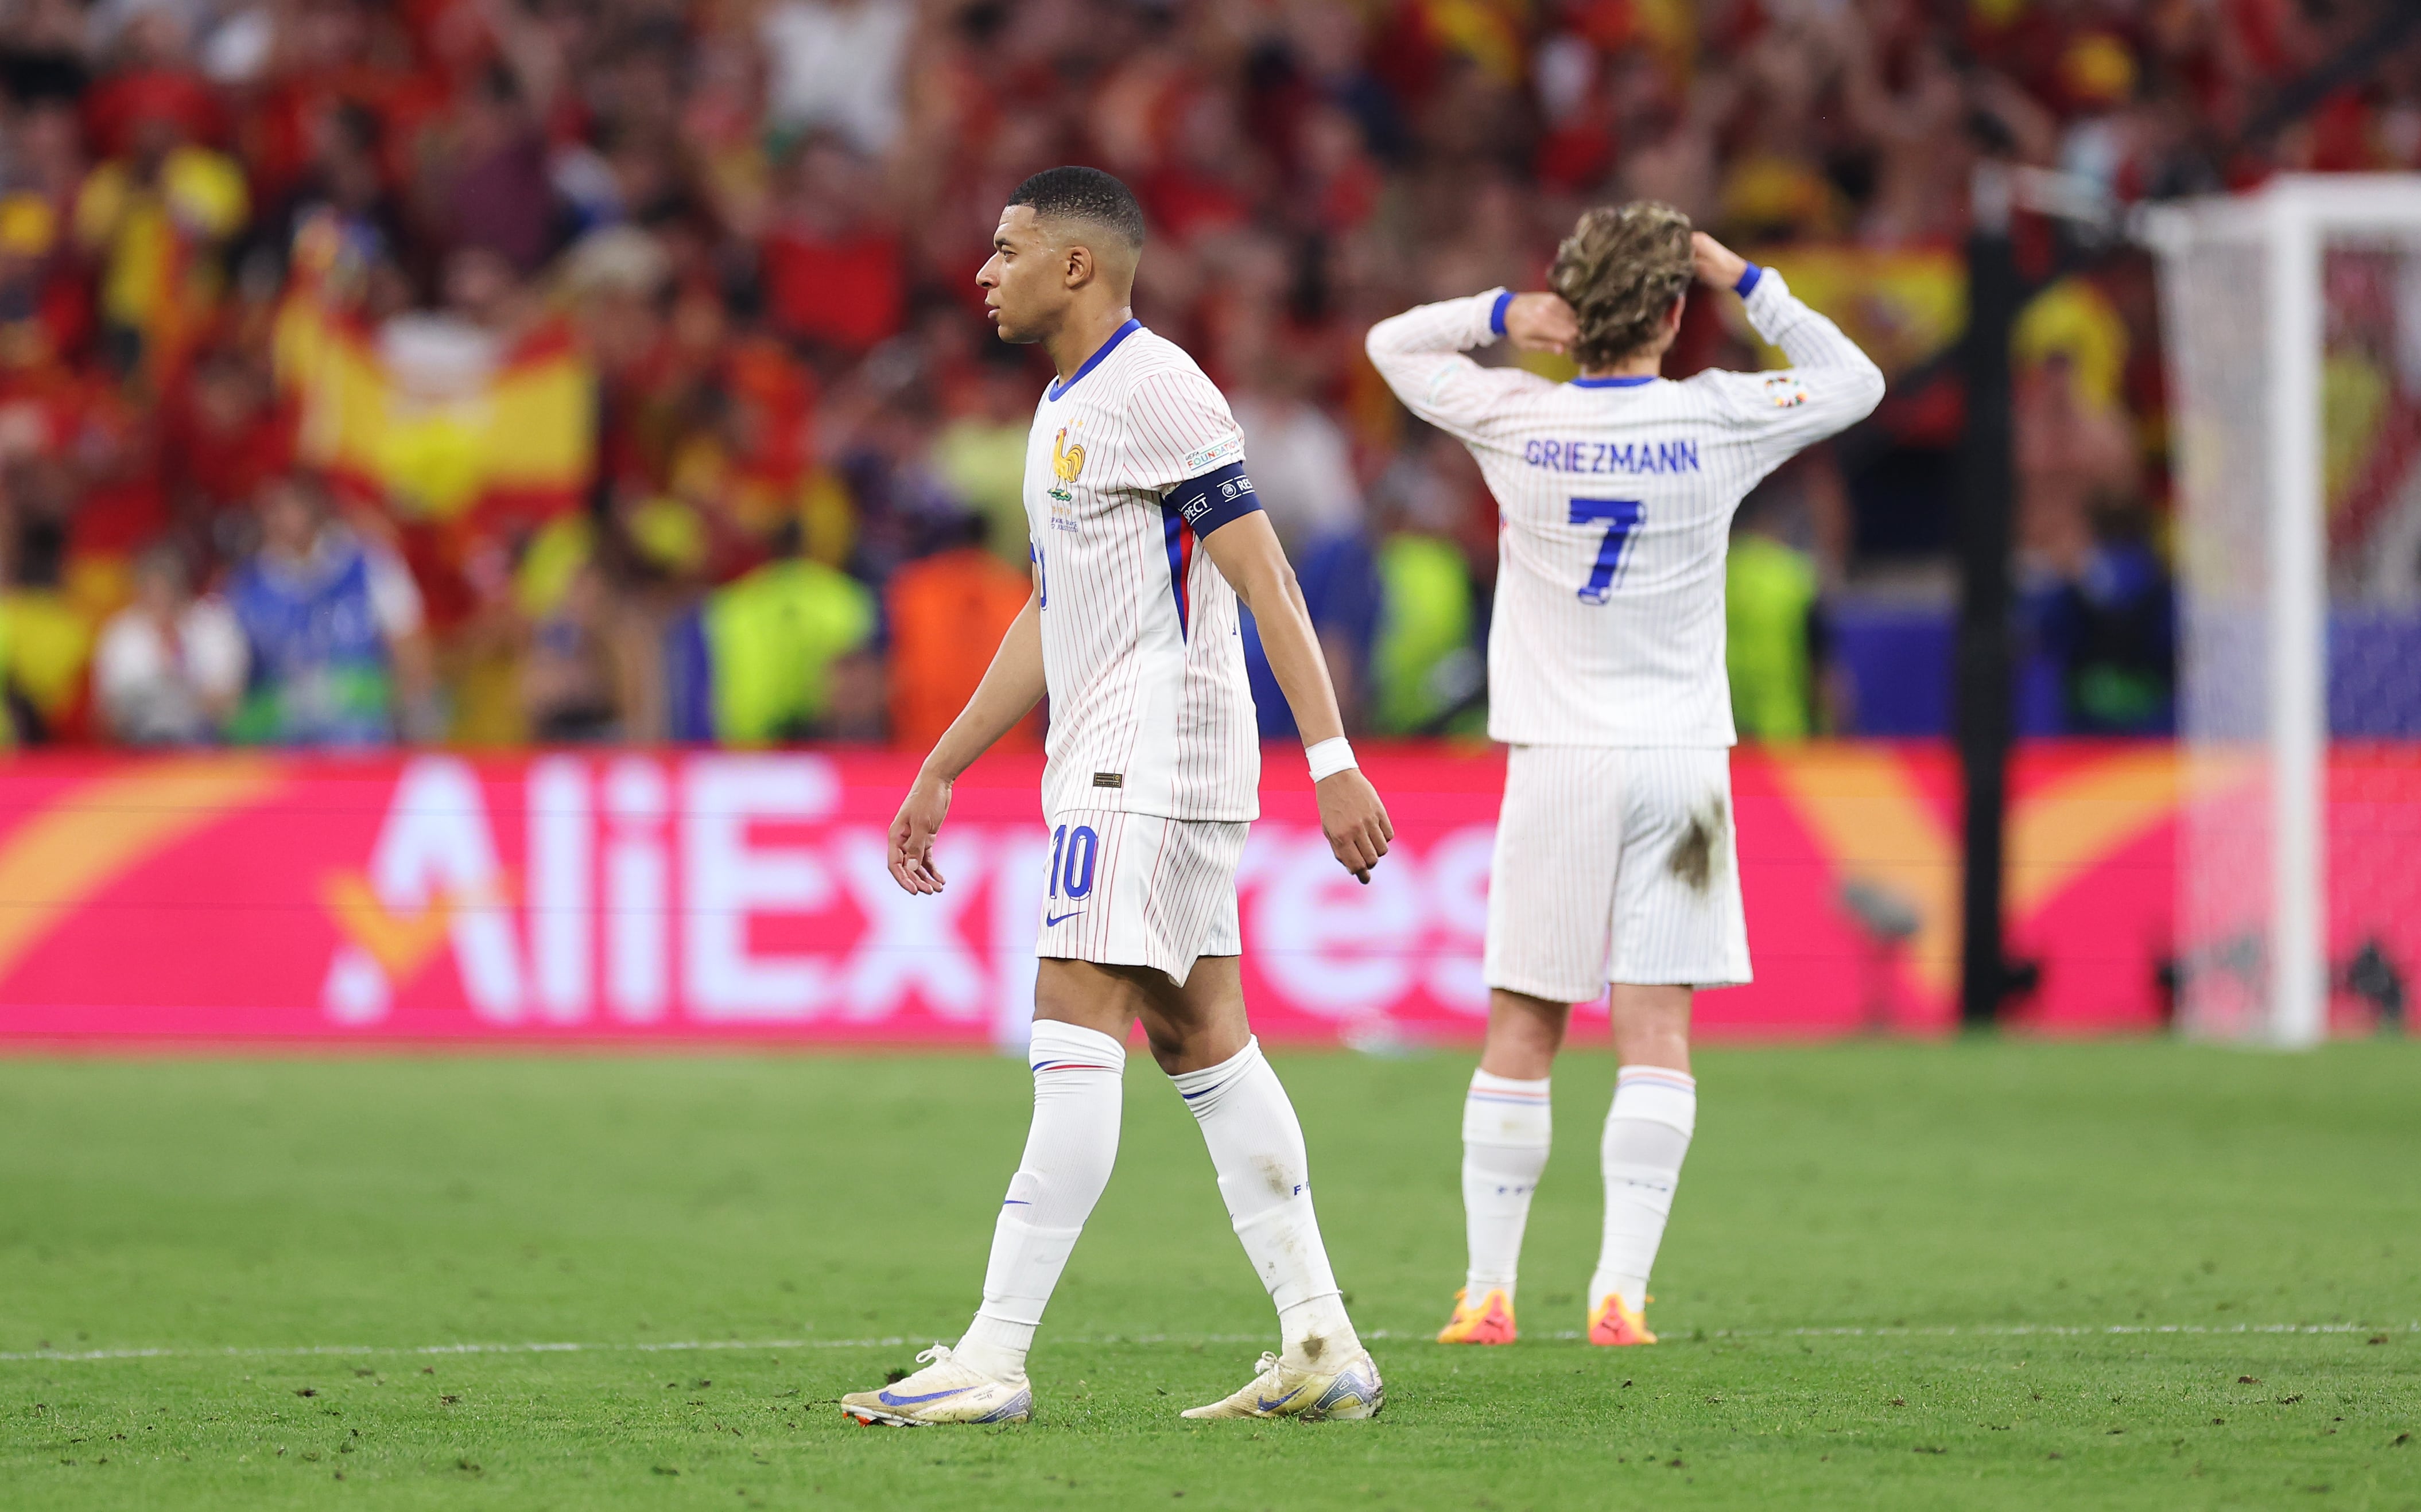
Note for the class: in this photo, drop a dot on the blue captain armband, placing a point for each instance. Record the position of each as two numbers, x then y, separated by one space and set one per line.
1221 495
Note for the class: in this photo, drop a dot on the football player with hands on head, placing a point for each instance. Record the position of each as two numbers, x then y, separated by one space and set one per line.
1614 856
1146 534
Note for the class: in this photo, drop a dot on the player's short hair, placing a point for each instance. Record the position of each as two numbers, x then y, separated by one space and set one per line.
1087 195
1620 270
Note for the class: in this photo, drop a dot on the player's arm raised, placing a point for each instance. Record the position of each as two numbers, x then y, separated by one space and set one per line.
1011 686
1247 554
1830 385
1420 354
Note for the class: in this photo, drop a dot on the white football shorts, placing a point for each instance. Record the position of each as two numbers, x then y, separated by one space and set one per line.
1615 863
1141 890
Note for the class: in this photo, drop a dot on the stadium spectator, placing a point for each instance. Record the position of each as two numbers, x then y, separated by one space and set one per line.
570 688
1789 546
484 179
835 64
332 627
1771 631
2073 455
2109 630
48 632
831 267
947 613
1301 457
169 669
154 218
788 654
980 455
1426 670
8 695
223 435
1340 586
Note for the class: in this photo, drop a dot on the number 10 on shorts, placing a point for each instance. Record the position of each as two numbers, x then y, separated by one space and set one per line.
1071 861
1619 517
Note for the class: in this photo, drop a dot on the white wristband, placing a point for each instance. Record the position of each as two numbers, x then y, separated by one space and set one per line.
1330 757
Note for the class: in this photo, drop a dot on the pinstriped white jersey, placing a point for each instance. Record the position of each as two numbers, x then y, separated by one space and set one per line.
1151 712
1616 500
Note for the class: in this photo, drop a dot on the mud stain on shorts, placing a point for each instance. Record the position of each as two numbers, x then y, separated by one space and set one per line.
1694 858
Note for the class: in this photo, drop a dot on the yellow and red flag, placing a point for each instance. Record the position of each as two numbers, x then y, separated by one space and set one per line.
508 431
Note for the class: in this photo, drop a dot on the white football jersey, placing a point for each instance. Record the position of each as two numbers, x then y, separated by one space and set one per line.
1616 498
1151 712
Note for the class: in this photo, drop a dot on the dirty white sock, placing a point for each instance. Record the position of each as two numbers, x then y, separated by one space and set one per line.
1506 1125
1073 1140
1257 1148
1647 1134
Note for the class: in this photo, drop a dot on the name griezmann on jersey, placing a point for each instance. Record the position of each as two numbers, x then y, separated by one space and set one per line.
1612 457
1617 497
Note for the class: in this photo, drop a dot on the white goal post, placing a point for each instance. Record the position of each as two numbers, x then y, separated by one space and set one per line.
2267 300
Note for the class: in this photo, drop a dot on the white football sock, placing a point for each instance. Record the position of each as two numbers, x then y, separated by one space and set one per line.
1647 1134
1257 1148
1078 1098
1506 1125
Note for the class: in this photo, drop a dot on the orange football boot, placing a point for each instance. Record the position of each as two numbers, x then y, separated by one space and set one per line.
1489 1322
1615 1321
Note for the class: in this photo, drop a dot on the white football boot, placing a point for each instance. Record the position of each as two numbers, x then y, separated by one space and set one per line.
944 1391
1282 1391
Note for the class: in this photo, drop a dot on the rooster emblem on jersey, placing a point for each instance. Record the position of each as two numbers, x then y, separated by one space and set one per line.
1066 462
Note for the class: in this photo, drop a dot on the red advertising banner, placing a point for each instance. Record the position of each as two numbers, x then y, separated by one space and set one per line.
697 897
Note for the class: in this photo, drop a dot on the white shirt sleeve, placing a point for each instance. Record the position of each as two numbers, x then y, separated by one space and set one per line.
394 597
1420 354
128 662
1182 429
216 654
1829 386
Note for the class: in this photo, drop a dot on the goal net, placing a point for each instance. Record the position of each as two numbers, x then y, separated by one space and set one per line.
2292 321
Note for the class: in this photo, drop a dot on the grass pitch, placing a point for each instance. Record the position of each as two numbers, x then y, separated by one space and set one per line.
1972 1275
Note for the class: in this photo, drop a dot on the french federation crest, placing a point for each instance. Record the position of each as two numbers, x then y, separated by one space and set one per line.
1066 462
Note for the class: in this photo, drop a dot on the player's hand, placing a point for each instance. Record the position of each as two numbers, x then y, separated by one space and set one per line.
911 833
1542 323
1353 820
1716 265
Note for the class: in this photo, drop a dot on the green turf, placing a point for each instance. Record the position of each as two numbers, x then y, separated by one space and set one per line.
1864 1234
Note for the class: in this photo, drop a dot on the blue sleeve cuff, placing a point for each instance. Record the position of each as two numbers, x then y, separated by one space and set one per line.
1218 497
1496 313
1747 283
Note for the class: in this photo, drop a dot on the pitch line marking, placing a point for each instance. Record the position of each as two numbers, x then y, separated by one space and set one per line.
666 1347
2019 1331
902 1341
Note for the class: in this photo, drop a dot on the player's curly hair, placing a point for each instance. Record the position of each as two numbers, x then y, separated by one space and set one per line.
1620 270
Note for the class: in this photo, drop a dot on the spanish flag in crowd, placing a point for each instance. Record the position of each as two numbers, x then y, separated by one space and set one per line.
446 425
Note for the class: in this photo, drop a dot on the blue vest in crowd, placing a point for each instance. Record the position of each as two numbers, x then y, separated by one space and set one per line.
320 671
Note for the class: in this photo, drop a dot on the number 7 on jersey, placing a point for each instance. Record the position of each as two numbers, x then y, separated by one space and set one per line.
1620 517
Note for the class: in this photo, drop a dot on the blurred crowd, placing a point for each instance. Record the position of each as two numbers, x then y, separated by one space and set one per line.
500 371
